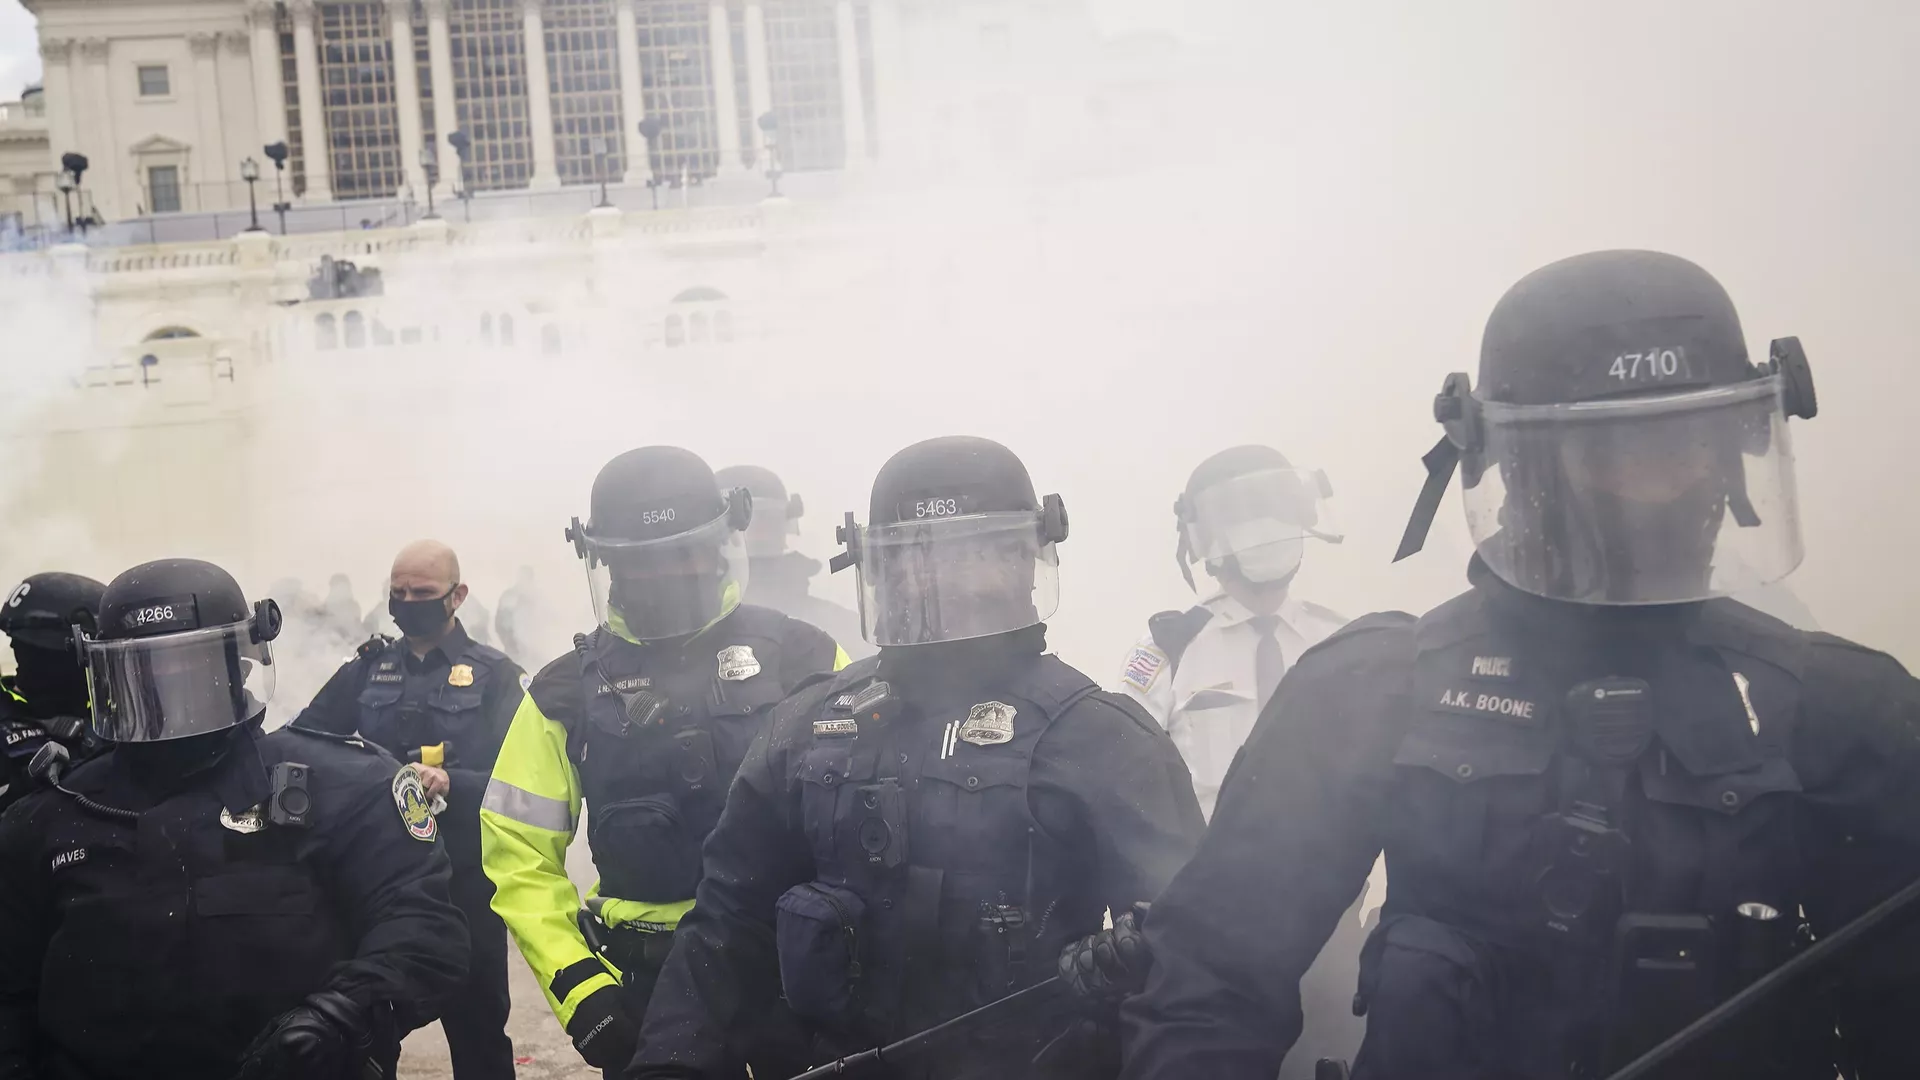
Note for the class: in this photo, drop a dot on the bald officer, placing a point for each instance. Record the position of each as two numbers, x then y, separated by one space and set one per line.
440 699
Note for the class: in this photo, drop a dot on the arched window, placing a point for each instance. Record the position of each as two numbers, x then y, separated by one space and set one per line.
168 333
699 316
381 335
676 332
326 335
486 329
697 327
723 326
506 330
354 330
550 339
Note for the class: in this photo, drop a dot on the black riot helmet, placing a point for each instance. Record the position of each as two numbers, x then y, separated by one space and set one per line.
1248 509
956 546
1621 448
42 611
179 652
776 514
664 546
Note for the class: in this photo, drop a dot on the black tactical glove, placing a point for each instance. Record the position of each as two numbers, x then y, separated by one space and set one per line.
1111 964
602 1031
325 1037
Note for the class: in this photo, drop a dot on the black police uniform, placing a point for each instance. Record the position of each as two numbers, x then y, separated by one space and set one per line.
918 863
25 729
162 947
449 708
1780 772
654 791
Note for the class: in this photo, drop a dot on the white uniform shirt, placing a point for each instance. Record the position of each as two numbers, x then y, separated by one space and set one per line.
1207 702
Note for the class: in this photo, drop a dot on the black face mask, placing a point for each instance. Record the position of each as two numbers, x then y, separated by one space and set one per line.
420 618
50 680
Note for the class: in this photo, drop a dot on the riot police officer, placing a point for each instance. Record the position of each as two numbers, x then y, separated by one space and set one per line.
204 899
926 831
442 701
780 576
46 697
646 721
1608 797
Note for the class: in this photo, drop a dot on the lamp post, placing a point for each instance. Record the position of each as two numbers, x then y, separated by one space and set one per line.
770 127
462 143
650 129
277 153
250 172
75 166
430 165
601 146
65 184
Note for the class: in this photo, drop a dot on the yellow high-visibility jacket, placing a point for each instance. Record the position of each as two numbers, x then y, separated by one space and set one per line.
726 678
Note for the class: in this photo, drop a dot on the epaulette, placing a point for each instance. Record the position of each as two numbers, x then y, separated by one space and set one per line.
354 741
373 646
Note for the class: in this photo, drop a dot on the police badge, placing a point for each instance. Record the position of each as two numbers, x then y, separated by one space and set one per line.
989 723
737 662
250 820
460 675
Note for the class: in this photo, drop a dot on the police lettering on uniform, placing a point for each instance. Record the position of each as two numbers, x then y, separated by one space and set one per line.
1247 516
781 576
46 697
441 701
646 721
204 899
926 831
1609 798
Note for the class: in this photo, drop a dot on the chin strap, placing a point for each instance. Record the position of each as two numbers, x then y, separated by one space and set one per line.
1440 462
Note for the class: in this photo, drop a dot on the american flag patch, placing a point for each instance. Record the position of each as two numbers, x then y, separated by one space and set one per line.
1143 667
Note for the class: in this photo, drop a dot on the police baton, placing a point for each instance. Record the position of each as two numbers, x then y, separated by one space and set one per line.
1012 1003
1891 914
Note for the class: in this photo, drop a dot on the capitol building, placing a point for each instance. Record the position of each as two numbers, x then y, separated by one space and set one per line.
233 230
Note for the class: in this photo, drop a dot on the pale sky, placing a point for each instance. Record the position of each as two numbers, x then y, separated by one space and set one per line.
19 51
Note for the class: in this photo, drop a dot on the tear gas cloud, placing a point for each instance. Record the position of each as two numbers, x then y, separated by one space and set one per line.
1293 248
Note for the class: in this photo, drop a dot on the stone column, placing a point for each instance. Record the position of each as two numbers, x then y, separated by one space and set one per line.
446 114
237 107
853 111
316 150
269 99
632 102
110 183
726 107
213 173
56 69
406 85
759 81
890 94
546 173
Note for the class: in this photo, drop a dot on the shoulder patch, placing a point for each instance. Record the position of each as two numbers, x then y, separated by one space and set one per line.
1143 667
526 681
411 800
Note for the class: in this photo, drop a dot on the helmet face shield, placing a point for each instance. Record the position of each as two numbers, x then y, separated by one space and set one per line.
1257 510
773 521
646 590
954 578
1648 500
173 686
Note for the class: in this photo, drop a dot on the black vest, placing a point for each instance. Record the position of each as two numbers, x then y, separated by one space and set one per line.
174 941
401 712
926 818
655 787
1555 786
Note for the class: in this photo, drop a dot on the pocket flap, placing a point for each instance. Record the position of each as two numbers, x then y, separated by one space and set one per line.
1473 750
261 891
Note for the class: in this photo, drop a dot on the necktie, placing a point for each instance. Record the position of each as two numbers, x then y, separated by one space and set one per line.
1268 662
